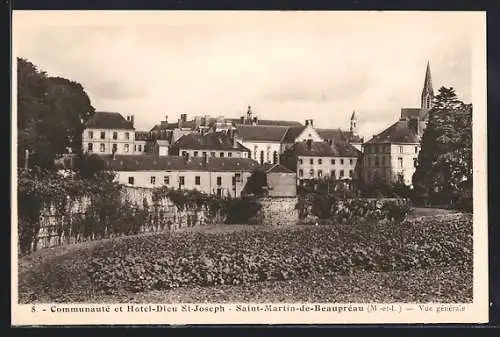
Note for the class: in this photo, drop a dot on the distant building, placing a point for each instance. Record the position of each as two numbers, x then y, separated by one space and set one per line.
213 144
391 156
218 176
324 159
281 181
263 141
109 132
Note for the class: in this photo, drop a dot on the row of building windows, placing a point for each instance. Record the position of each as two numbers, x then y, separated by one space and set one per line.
265 156
332 173
385 148
114 147
332 161
212 154
385 162
181 180
103 135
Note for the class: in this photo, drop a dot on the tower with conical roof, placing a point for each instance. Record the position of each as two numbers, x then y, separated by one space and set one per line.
427 94
354 127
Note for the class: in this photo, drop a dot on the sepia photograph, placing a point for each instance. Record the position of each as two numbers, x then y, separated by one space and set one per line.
285 163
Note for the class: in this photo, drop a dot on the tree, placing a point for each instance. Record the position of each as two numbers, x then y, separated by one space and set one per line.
256 183
444 170
51 113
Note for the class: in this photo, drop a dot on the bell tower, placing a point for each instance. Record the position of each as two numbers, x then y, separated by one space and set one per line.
427 94
354 122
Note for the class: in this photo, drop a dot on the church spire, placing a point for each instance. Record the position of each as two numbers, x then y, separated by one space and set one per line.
354 128
427 92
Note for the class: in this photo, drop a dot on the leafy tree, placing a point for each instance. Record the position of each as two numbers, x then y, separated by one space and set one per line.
256 183
51 115
444 170
89 166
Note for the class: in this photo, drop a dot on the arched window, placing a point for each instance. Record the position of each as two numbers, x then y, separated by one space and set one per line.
275 157
261 157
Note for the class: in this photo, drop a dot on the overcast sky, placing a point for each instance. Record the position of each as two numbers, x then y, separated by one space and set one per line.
291 66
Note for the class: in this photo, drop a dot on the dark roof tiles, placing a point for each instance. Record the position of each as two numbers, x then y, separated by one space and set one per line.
208 141
108 120
263 133
399 132
177 163
325 149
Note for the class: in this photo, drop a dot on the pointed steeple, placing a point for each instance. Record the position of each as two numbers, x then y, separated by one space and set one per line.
428 80
427 94
354 128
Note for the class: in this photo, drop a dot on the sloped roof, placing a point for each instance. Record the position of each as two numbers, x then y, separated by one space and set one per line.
263 133
177 163
292 133
338 134
109 120
269 122
399 132
325 149
208 141
276 168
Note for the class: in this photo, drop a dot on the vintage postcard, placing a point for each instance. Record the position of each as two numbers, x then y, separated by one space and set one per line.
249 167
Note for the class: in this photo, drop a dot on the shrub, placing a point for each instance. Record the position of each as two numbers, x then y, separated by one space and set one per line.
189 259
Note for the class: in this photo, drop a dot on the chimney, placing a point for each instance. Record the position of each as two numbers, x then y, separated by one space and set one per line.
311 123
132 120
413 124
184 117
242 120
179 123
166 119
307 122
255 121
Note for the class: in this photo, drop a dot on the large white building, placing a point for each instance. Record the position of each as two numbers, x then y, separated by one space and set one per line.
218 176
391 156
109 132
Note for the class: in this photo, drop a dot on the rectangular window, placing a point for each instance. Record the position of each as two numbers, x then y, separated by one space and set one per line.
301 173
416 149
115 135
103 134
320 161
400 161
102 147
333 161
140 148
238 177
300 161
90 147
332 173
204 154
131 180
126 148
311 161
311 172
127 135
351 173
91 134
341 173
350 161
212 154
320 173
153 180
221 154
400 149
135 147
342 161
197 180
219 181
195 154
181 180
229 154
115 148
